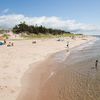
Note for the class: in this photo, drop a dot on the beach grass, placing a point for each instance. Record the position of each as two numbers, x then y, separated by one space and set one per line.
32 36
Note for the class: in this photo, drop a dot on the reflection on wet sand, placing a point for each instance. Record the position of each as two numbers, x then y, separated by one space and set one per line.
70 85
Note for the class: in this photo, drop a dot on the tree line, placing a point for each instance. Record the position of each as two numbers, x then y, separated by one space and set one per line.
31 29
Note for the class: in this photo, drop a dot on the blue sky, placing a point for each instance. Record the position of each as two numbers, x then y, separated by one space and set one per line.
81 11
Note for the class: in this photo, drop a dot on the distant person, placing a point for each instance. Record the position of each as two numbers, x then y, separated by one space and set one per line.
96 64
33 42
9 44
12 44
5 42
67 44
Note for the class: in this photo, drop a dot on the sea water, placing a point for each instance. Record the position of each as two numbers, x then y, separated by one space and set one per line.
84 83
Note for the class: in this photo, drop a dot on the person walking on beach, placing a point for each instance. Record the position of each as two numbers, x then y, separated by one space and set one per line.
96 64
67 44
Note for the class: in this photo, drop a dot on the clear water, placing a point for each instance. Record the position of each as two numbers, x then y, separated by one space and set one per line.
84 78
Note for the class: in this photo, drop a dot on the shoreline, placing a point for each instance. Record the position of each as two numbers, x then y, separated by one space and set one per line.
16 60
35 73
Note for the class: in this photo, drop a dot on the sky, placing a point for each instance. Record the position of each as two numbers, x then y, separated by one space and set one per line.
79 16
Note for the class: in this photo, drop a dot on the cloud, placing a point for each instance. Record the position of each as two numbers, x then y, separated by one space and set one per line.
5 11
9 21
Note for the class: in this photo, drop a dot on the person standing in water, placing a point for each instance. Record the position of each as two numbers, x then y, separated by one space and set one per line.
96 64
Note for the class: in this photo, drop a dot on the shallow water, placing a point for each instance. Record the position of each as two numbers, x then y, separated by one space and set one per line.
63 77
85 75
78 79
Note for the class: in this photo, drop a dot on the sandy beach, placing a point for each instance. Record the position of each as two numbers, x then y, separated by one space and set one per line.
16 60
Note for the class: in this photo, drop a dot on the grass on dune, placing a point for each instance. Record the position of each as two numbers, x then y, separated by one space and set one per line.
32 36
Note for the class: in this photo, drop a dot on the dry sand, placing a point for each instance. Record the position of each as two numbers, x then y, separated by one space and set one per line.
15 61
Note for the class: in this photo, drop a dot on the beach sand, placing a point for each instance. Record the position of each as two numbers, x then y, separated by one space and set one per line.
16 60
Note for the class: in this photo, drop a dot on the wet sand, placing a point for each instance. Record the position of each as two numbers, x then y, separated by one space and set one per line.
35 80
63 78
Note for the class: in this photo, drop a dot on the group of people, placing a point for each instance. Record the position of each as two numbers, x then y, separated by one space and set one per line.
8 44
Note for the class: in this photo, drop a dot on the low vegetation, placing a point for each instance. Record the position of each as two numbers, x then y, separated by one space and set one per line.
6 36
31 29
